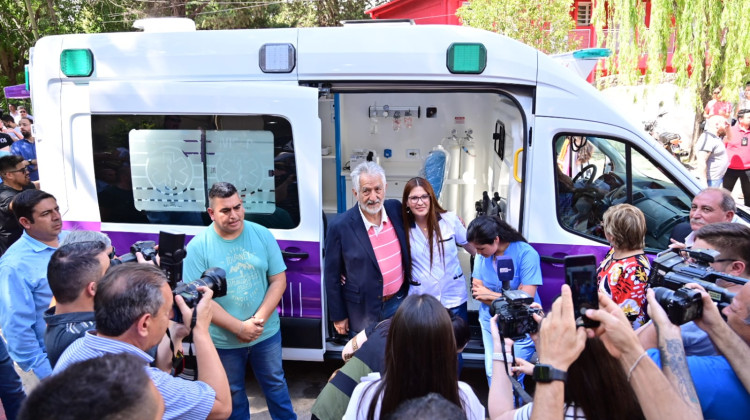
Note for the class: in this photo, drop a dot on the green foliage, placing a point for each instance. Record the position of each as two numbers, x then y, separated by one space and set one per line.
543 25
711 48
20 29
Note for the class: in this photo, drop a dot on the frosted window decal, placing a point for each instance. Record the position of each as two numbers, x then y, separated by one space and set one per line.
166 170
244 158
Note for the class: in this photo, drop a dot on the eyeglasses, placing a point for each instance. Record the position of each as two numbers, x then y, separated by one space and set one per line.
414 199
24 169
112 254
724 259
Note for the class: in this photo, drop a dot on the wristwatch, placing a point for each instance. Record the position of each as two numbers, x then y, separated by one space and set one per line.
546 373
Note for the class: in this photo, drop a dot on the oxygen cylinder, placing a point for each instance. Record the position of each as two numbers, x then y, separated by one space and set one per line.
468 178
450 190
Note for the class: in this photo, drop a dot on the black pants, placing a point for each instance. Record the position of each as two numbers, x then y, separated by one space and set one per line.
730 178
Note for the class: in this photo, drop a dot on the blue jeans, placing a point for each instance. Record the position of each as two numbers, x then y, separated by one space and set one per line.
462 311
11 389
389 308
715 182
265 360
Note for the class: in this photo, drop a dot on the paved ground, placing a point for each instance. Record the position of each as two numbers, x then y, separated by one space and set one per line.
305 380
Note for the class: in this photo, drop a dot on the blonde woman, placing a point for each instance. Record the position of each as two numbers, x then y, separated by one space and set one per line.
623 274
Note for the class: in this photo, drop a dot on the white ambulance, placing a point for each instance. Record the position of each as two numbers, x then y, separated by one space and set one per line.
133 128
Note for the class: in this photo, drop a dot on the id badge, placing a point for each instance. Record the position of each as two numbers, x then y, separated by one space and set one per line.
744 141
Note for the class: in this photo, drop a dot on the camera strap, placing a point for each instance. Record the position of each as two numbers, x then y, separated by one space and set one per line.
194 319
520 396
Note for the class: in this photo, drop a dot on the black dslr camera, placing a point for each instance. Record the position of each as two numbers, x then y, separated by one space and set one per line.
682 305
147 248
670 273
214 278
515 318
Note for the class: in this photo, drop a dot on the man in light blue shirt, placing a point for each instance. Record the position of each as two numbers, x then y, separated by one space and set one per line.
24 291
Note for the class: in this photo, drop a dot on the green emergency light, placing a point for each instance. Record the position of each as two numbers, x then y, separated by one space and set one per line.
77 63
592 53
467 58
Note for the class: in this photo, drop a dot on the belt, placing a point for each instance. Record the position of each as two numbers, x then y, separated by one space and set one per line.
389 297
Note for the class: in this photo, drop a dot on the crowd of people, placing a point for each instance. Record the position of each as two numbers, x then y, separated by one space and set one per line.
103 335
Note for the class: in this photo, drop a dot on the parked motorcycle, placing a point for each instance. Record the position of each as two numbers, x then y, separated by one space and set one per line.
672 142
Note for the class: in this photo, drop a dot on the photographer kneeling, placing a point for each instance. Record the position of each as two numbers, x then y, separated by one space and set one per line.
133 306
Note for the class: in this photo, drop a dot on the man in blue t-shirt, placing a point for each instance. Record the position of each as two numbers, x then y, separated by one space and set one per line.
245 324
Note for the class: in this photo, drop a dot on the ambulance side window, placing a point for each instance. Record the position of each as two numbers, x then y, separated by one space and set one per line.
595 173
157 169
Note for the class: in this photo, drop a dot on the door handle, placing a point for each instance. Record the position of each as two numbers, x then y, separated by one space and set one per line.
551 260
294 256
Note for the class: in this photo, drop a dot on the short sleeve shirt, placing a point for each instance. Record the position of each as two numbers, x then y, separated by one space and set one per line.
625 281
248 260
718 161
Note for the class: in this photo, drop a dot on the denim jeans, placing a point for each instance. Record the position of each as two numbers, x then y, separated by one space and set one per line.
265 360
462 311
389 308
715 182
11 389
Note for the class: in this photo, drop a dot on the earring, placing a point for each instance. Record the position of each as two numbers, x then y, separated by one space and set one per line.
408 209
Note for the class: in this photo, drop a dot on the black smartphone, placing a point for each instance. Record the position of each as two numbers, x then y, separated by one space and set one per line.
580 275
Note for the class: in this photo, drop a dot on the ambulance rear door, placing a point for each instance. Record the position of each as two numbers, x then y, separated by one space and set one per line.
157 147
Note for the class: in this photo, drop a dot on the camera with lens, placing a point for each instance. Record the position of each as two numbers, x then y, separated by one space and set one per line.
682 305
147 248
669 275
214 278
515 316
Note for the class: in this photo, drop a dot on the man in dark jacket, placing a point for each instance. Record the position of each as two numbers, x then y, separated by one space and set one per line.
367 262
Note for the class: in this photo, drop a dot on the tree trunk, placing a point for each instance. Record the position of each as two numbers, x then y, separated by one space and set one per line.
705 96
32 19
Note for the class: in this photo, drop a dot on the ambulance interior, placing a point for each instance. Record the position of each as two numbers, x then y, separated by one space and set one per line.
411 134
462 142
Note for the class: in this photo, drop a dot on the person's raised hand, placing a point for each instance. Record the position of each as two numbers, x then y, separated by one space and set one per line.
560 342
659 316
711 318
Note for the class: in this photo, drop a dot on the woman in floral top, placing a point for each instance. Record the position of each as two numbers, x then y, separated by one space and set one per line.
623 274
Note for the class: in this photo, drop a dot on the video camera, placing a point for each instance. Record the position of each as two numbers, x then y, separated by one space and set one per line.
669 275
515 316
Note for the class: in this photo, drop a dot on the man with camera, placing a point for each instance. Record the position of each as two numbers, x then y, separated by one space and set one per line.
133 305
246 325
732 241
722 382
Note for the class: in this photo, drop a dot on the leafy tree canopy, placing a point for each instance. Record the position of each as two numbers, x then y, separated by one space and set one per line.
711 43
23 22
544 25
